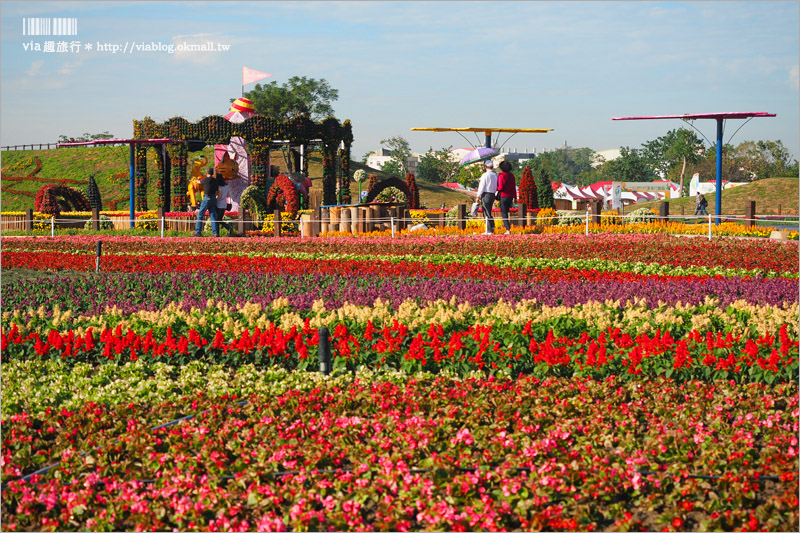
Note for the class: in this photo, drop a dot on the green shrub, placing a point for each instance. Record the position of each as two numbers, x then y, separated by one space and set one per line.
105 223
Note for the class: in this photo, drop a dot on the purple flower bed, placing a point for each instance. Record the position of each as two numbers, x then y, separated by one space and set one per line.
145 291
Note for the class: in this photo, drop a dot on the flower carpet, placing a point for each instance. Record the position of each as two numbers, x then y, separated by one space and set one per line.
521 382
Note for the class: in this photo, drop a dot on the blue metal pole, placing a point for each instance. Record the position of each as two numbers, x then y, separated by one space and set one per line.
719 171
133 187
488 139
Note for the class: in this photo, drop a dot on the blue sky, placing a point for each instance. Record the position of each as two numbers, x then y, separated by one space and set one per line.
569 66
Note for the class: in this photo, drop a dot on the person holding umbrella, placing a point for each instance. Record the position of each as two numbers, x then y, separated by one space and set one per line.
487 188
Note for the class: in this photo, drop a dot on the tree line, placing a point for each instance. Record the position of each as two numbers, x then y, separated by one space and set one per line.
675 156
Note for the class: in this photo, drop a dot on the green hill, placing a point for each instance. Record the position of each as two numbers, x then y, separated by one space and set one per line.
768 194
24 172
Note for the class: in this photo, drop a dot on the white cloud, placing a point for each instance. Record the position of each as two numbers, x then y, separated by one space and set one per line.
794 77
69 67
36 66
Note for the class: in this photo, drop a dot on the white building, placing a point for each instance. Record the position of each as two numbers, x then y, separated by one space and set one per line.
378 158
605 155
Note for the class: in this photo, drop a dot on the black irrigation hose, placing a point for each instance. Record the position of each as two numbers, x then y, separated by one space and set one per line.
463 469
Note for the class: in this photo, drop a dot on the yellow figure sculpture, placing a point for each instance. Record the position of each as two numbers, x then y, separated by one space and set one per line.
195 190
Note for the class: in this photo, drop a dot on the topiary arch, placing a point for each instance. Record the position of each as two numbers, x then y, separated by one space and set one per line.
283 193
53 199
391 182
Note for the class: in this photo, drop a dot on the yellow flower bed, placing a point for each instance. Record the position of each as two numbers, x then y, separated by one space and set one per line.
547 217
233 319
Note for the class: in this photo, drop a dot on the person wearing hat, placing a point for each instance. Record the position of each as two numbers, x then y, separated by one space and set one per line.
487 187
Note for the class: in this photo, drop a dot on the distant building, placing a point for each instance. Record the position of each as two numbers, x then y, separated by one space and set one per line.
378 158
605 155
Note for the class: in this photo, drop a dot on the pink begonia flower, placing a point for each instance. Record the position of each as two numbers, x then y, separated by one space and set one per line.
464 436
270 523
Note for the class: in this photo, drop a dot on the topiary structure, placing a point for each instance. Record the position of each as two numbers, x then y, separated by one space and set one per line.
391 182
413 198
105 223
641 215
55 199
451 216
568 218
254 200
93 194
527 190
544 191
388 193
373 182
283 195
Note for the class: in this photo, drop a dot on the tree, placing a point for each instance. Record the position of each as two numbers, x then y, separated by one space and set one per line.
400 152
567 165
298 96
762 159
469 175
675 149
629 166
392 168
544 190
707 165
437 166
86 137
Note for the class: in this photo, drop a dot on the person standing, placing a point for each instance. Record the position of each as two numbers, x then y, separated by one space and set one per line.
700 205
487 187
507 187
222 204
209 203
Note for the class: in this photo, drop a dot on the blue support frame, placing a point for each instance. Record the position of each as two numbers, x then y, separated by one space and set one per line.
718 203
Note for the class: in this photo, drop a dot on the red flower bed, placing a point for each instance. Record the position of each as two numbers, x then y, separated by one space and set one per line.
532 350
437 454
220 263
685 252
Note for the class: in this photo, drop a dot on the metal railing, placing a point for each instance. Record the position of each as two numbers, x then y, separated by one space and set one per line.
47 146
393 224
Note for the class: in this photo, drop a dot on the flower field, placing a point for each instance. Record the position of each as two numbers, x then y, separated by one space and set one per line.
520 382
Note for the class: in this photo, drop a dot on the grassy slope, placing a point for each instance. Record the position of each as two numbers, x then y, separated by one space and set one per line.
104 162
768 194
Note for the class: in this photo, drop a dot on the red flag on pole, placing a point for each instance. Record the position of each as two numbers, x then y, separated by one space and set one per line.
249 75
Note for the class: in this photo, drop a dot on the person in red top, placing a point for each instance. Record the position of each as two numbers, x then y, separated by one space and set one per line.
507 191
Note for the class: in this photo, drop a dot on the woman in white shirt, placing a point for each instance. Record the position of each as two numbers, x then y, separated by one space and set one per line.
222 204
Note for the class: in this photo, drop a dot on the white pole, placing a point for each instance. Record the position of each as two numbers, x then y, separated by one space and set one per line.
392 227
587 222
162 227
53 226
709 227
301 219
